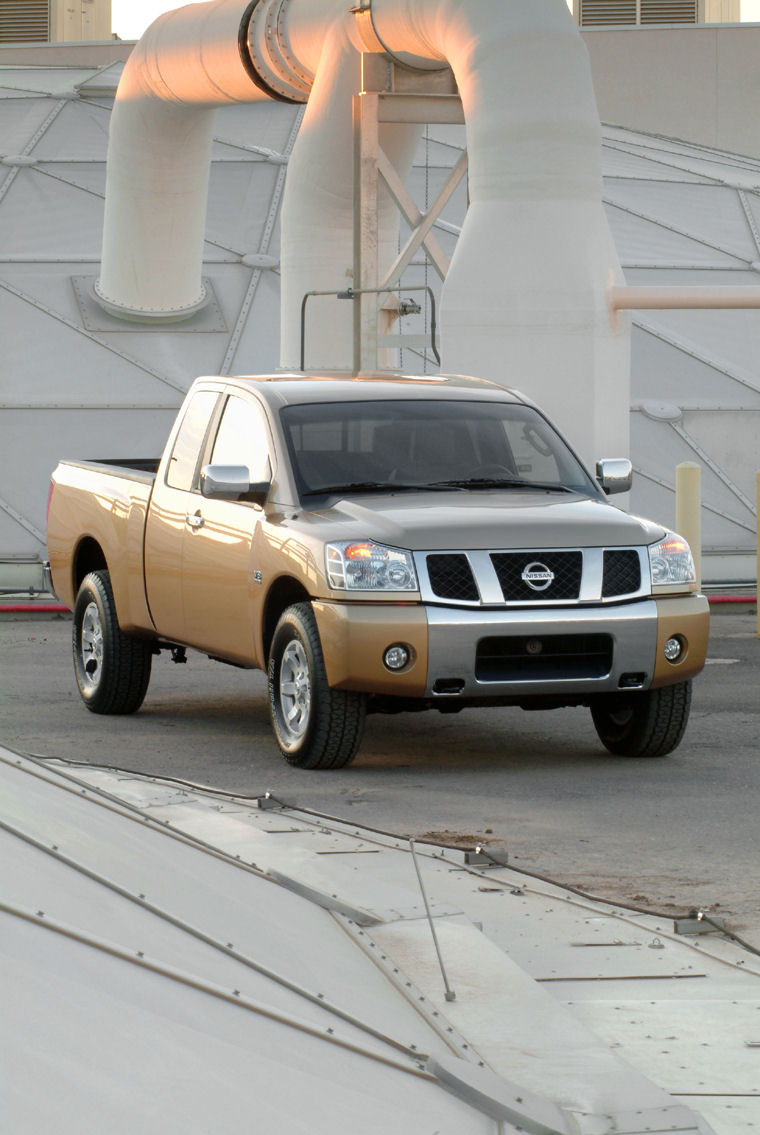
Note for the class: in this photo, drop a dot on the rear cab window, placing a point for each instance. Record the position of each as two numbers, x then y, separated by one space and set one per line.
188 445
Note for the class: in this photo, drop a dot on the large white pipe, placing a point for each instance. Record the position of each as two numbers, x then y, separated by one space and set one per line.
524 302
187 64
317 217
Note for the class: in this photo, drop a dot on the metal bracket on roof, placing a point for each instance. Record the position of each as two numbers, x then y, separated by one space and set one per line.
321 898
499 1098
270 803
486 858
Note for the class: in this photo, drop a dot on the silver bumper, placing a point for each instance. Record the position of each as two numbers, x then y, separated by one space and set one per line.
454 636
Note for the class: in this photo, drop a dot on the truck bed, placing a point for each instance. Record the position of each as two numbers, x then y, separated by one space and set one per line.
141 469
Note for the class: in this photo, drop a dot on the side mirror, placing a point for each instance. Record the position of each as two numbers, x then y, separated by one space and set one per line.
614 474
232 483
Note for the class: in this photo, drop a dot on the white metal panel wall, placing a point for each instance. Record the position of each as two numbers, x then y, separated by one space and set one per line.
679 214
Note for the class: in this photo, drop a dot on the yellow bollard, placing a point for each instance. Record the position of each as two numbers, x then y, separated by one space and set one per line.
688 510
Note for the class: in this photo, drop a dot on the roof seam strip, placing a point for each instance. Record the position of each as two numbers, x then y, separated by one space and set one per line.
60 104
232 998
67 181
674 229
699 146
113 803
659 162
750 219
713 465
22 520
708 507
209 940
718 157
692 352
411 993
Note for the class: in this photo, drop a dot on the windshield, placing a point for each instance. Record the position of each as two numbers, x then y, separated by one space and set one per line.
402 446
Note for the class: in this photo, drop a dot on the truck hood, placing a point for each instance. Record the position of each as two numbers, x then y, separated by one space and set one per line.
482 520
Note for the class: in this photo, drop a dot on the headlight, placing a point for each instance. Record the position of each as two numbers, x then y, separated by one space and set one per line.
670 561
362 565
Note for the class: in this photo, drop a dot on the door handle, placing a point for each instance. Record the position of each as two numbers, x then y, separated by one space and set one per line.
194 522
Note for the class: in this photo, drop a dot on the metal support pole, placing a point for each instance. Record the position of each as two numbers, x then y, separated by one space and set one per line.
366 231
688 510
449 994
757 529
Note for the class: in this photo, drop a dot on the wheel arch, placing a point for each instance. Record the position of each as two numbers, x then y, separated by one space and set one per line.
88 556
284 592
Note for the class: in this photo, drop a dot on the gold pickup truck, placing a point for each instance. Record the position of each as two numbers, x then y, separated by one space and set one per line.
378 544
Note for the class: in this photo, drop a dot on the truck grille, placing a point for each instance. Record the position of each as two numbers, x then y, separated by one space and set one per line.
565 567
451 577
535 578
622 572
543 658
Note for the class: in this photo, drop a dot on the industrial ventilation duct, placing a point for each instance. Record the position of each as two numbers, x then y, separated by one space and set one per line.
524 300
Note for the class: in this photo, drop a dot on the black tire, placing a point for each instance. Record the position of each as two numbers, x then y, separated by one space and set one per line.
646 724
112 669
316 727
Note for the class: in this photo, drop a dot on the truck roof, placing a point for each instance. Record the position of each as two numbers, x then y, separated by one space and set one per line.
295 389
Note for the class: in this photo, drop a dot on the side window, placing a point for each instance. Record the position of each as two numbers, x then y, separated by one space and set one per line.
242 439
187 445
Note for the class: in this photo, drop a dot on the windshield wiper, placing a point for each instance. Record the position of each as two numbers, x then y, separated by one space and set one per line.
502 483
380 486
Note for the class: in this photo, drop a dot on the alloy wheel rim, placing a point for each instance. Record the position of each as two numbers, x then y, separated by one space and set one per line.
91 647
295 689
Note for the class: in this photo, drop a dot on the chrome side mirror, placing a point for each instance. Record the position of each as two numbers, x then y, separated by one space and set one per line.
614 474
232 483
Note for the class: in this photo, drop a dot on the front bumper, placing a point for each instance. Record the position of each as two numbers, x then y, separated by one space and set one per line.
456 638
483 654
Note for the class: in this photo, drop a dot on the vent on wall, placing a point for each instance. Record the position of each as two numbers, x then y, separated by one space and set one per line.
619 12
24 21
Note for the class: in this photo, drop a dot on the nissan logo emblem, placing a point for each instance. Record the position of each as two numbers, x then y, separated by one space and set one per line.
537 576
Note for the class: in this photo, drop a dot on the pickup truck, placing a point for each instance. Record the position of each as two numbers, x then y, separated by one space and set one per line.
378 544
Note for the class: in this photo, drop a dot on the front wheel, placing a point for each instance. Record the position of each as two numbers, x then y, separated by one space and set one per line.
316 727
112 669
649 723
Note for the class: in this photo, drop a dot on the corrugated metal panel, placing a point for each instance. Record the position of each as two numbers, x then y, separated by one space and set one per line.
668 11
24 21
624 12
595 12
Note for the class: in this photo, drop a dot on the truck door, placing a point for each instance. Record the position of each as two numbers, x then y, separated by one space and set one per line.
175 496
217 576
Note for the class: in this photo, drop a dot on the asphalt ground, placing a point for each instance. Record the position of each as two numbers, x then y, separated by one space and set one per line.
666 834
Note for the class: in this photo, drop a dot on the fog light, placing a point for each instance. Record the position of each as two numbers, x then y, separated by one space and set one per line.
673 649
396 657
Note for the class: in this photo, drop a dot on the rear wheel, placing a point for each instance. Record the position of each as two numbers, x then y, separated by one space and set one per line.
649 723
112 669
316 727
